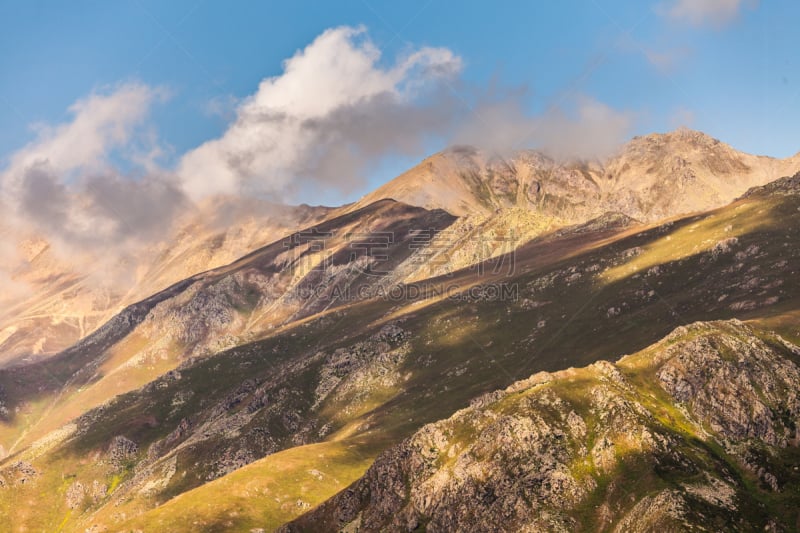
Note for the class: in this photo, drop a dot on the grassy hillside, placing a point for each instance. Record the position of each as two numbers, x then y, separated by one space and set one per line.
349 380
697 432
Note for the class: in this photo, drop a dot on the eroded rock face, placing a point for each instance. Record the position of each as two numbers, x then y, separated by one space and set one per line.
665 511
258 416
363 366
517 473
596 448
737 385
640 180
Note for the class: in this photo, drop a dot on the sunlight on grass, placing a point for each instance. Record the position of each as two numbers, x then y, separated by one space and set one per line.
693 239
264 494
64 523
125 377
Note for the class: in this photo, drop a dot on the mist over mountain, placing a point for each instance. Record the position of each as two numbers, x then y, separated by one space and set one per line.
649 178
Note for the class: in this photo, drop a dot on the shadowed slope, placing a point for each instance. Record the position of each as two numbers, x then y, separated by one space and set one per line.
697 431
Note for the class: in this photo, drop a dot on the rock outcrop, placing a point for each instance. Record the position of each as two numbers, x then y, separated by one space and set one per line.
655 442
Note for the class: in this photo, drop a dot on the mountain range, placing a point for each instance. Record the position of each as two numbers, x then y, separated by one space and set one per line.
487 342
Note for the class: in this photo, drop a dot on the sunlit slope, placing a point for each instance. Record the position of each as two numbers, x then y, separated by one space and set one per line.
371 372
63 293
66 293
323 267
698 431
300 275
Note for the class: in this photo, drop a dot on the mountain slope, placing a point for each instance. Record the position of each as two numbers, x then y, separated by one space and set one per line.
651 178
697 432
316 269
348 382
65 295
242 396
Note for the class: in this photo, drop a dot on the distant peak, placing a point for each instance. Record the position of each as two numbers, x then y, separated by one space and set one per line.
681 135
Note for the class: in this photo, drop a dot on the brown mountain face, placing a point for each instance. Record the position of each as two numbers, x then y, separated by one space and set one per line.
348 258
255 435
650 178
65 294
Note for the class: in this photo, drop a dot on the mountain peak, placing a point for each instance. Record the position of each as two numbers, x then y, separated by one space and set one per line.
674 142
639 181
681 134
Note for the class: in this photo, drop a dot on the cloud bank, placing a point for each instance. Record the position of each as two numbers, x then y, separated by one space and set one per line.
336 111
332 112
67 184
582 128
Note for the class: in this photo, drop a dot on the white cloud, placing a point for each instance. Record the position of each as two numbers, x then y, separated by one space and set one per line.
101 122
715 13
10 289
337 110
593 130
65 184
333 111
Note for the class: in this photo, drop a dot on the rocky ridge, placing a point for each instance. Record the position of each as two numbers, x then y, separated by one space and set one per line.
650 178
686 435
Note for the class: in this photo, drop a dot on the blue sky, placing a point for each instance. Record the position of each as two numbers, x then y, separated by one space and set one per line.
729 68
